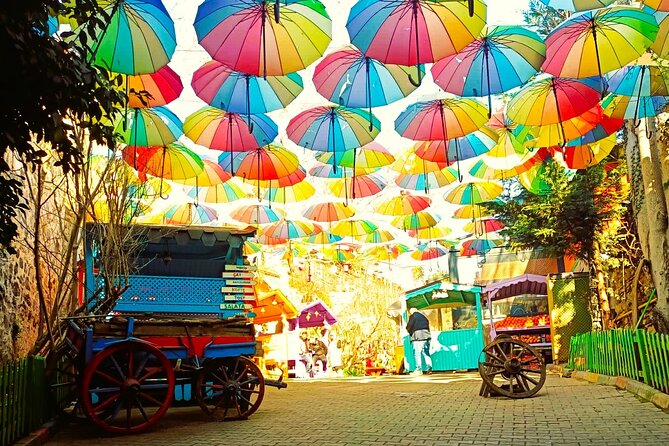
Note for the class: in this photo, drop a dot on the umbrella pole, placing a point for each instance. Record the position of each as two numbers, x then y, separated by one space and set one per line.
264 41
369 93
248 103
134 142
486 56
232 158
346 187
258 178
593 27
353 179
162 175
415 24
277 10
557 107
457 158
334 141
443 125
638 98
425 185
104 32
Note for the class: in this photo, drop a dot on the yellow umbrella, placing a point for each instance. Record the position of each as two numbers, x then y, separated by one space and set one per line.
418 220
353 228
430 233
403 204
290 194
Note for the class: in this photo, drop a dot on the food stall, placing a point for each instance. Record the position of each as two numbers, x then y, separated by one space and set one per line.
455 315
314 315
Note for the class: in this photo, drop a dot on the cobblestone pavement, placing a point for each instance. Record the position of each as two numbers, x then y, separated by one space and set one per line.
442 409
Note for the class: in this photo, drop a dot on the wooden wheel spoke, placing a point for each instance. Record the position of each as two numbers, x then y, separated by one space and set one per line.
117 367
242 397
149 397
501 350
108 377
530 379
131 356
128 414
252 380
240 375
492 364
522 382
140 407
218 378
104 404
495 373
141 367
117 409
150 372
496 358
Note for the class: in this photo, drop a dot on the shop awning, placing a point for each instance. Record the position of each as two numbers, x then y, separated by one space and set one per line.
316 314
524 284
442 295
271 304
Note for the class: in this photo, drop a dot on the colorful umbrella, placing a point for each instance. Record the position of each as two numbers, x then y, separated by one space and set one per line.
231 190
361 186
251 248
292 179
257 214
413 32
661 44
386 252
576 5
481 246
427 181
370 156
153 89
173 161
419 220
474 193
350 78
627 107
595 42
410 163
211 175
137 37
403 204
229 132
427 252
321 170
471 211
243 93
190 214
322 238
378 236
581 157
328 211
290 229
430 233
606 127
502 58
483 226
263 37
469 146
534 180
656 5
290 194
353 228
149 127
332 129
556 134
639 80
337 254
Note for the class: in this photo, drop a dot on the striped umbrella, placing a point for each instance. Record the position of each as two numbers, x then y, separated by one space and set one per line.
474 193
257 214
370 156
231 190
469 146
581 157
211 175
361 186
403 204
419 220
471 211
556 134
480 246
483 226
290 229
378 236
353 228
661 44
290 194
430 233
328 211
426 251
153 89
427 181
190 214
321 170
149 127
173 161
576 5
322 238
628 107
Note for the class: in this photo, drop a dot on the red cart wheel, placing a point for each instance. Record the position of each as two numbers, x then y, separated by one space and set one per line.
229 388
127 387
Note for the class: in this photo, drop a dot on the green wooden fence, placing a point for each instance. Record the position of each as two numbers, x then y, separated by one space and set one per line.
635 354
23 391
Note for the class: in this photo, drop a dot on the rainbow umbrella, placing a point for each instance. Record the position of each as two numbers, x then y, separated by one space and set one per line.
576 5
270 162
353 228
149 127
173 161
419 220
322 238
229 132
386 253
656 5
534 180
251 247
581 157
290 194
414 32
471 211
410 163
427 181
426 251
337 254
483 226
595 42
263 37
292 179
639 80
350 78
551 100
483 171
153 89
469 146
270 241
290 229
370 156
257 214
510 136
556 134
661 44
231 190
430 233
137 37
190 214
530 160
243 93
321 170
211 175
361 186
502 58
474 192
606 127
628 107
332 129
378 236
403 204
328 211
481 246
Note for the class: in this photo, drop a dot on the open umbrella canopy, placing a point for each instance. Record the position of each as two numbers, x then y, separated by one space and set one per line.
357 187
173 161
403 204
630 107
581 157
419 220
639 80
190 214
428 251
231 190
290 194
353 228
328 171
430 233
211 175
263 37
328 211
370 156
474 193
297 176
576 5
557 134
257 214
468 146
269 162
604 128
661 44
137 37
153 89
483 226
471 211
427 181
146 127
592 43
386 253
656 5
502 58
480 246
229 132
243 93
410 163
378 236
290 229
322 238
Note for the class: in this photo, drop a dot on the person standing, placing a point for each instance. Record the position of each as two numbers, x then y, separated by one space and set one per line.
419 329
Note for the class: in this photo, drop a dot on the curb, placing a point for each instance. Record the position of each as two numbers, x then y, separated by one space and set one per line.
40 436
641 390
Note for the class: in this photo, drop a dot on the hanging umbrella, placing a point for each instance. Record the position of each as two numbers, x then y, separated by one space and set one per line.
290 229
530 160
427 181
251 248
628 107
469 146
348 77
190 214
173 161
270 241
481 246
581 157
263 37
243 93
229 132
231 190
385 253
639 80
592 43
290 194
322 238
403 204
149 127
430 233
661 44
410 163
556 134
361 186
427 252
419 220
211 175
414 32
328 211
332 129
471 211
483 171
257 214
551 100
378 236
153 89
474 193
370 156
483 226
321 170
606 127
353 228
502 58
534 180
417 172
297 176
137 37
510 136
337 254
576 5
656 5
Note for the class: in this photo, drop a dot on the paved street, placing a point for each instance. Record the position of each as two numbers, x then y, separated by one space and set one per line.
442 409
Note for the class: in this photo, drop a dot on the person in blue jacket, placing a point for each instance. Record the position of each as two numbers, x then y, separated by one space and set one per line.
419 329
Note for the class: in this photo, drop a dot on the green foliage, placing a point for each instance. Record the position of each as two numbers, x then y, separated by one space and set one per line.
577 212
48 89
543 18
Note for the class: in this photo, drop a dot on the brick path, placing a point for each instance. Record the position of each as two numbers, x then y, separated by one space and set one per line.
442 409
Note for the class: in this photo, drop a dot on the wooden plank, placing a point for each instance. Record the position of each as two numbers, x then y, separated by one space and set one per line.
240 282
241 268
238 275
237 290
172 327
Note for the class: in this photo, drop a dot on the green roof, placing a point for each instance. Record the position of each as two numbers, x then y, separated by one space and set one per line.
442 295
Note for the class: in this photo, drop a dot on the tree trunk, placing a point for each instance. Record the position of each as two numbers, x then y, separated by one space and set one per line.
650 205
600 281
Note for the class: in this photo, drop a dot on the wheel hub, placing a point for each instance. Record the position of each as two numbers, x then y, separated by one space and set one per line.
131 386
512 366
